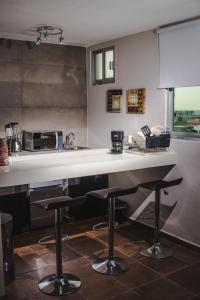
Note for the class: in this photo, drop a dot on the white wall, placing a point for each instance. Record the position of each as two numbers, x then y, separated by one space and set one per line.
137 66
185 221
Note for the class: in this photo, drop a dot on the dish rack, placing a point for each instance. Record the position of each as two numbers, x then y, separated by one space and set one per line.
152 142
161 142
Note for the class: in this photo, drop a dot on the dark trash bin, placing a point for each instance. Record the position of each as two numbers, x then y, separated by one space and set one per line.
7 245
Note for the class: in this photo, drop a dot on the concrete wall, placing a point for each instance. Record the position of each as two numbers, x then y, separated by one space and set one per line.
44 88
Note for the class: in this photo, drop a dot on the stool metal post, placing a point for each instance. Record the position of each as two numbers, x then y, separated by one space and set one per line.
111 227
60 283
157 218
110 265
58 243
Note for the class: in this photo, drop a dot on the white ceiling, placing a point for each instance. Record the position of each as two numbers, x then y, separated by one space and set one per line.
88 22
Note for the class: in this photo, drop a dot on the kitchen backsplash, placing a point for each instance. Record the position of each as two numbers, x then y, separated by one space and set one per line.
44 88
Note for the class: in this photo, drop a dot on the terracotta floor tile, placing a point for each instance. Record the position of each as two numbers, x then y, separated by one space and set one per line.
136 233
137 275
119 239
131 295
23 250
132 249
187 255
164 289
189 278
170 243
80 267
163 266
48 254
100 287
104 253
85 245
175 278
50 257
29 262
99 232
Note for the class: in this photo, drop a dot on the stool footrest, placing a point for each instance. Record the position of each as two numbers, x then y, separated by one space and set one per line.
50 239
102 225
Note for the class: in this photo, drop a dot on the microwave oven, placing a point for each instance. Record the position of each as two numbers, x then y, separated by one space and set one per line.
42 140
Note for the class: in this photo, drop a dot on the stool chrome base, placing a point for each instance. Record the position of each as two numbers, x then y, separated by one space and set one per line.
54 286
106 265
157 251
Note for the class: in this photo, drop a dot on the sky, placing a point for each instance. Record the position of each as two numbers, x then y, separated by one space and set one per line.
187 98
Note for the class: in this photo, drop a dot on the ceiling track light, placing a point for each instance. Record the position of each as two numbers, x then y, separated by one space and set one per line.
44 31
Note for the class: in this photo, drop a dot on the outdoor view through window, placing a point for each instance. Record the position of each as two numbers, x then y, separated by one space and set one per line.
187 109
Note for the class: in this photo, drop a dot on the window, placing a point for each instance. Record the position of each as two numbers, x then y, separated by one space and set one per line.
186 110
103 66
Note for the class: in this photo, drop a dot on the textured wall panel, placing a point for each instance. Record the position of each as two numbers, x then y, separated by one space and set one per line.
44 88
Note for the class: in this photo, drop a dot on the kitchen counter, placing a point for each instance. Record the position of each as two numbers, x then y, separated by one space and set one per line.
48 166
39 167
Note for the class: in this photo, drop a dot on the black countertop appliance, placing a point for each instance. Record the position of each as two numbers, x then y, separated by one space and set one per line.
117 137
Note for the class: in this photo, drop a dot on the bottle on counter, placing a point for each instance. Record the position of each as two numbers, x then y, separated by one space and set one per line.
4 160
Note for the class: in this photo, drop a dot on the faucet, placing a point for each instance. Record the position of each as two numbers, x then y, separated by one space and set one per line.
70 141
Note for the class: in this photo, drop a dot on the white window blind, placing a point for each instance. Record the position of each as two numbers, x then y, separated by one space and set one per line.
180 55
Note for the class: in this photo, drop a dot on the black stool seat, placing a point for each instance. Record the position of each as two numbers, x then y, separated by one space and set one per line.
160 184
112 192
111 265
59 202
104 193
60 283
157 250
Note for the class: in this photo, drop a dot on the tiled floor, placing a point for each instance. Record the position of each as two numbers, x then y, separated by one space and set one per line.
174 278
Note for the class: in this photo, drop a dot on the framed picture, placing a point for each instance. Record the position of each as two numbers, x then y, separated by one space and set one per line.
114 101
136 101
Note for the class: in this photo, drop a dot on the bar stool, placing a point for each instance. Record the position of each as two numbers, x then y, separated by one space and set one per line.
157 250
60 283
111 265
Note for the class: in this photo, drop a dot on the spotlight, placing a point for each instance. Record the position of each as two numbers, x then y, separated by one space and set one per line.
45 31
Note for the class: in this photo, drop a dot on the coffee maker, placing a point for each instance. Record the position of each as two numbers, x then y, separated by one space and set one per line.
13 136
117 141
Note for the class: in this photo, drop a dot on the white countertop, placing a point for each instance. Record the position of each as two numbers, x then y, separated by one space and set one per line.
38 167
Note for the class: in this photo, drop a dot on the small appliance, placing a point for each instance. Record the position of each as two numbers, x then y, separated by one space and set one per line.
46 140
117 141
13 135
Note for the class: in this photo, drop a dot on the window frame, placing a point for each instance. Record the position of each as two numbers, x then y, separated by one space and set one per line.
170 119
104 80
